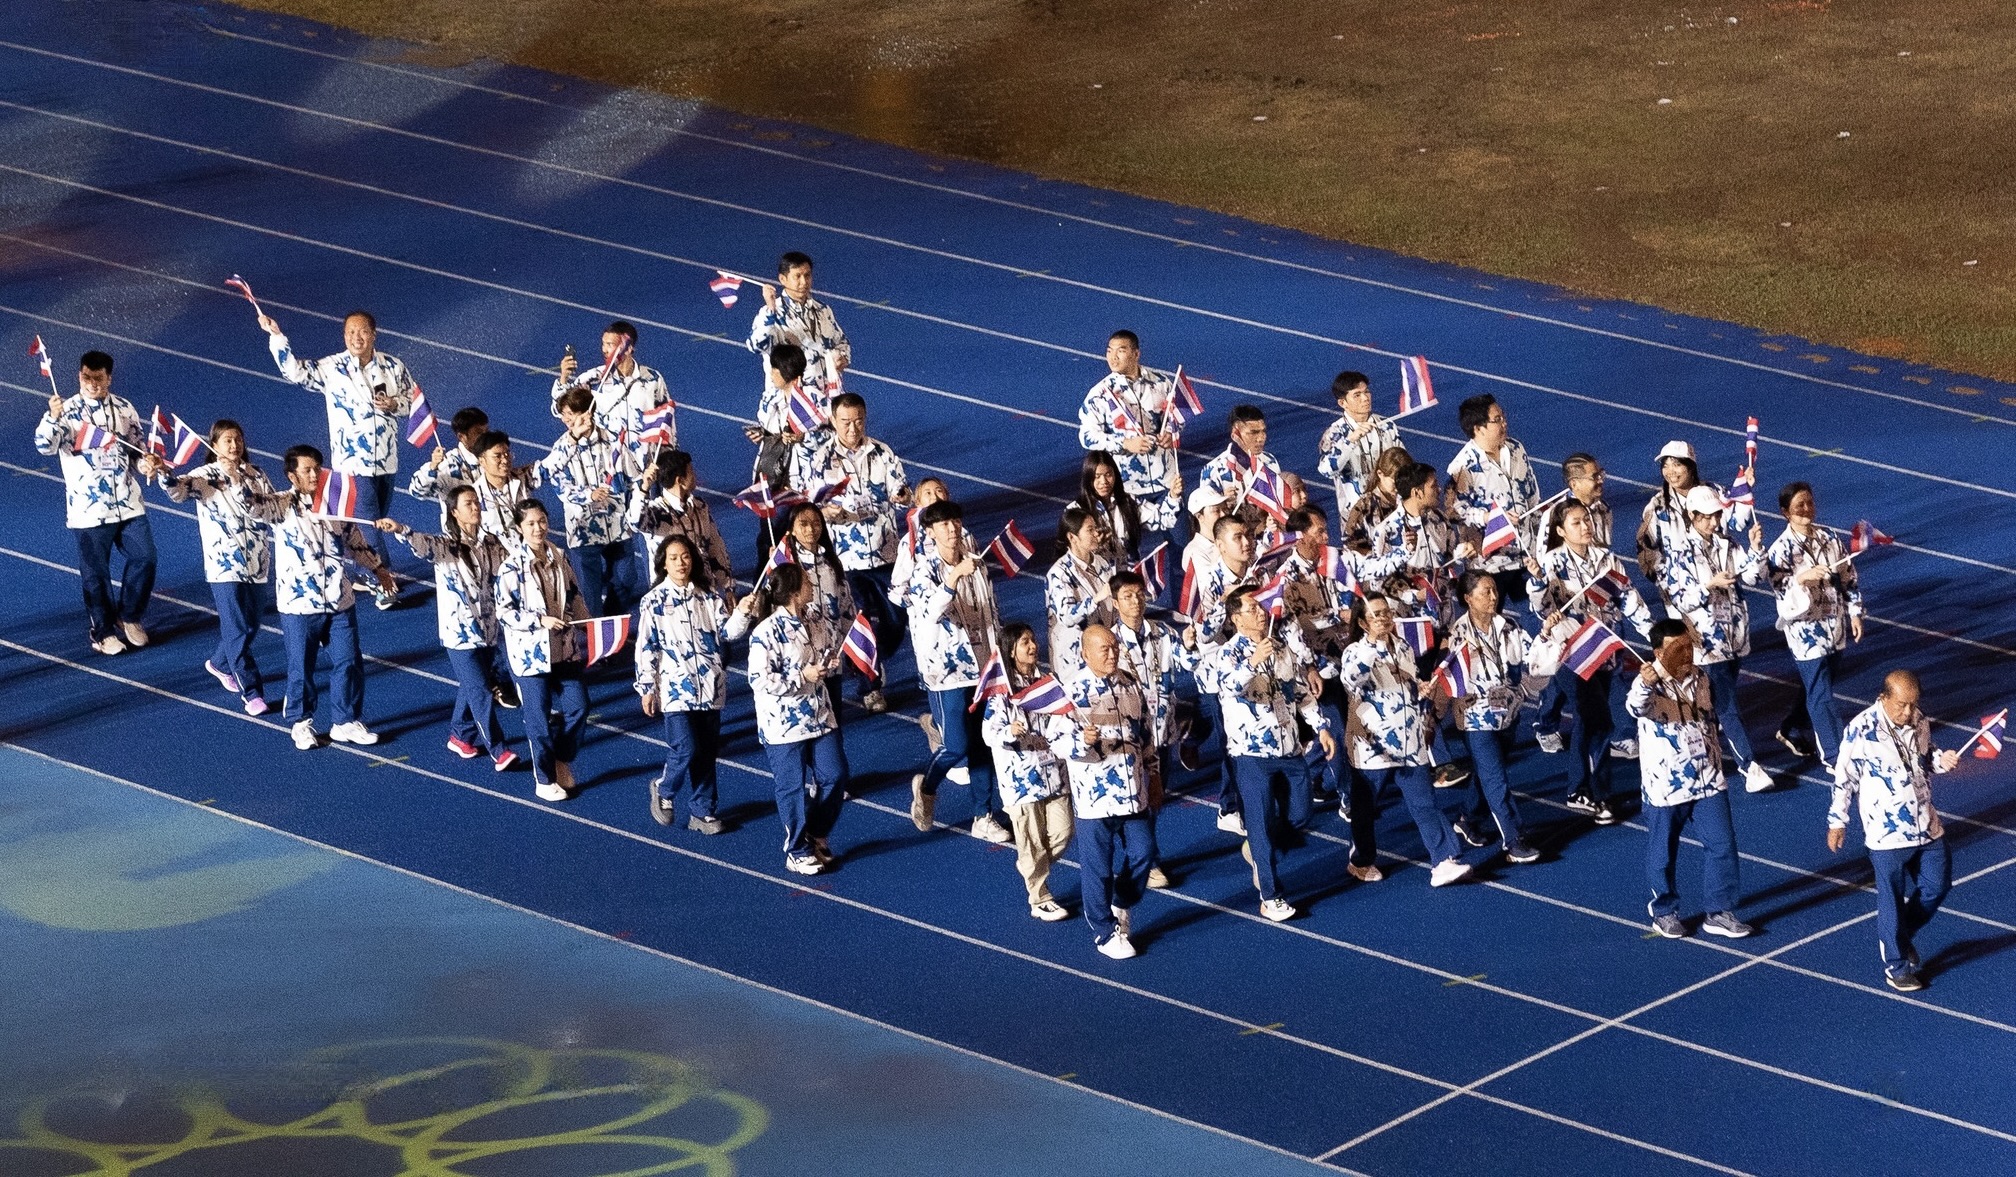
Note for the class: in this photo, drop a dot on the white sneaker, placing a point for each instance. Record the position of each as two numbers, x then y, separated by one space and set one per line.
305 737
803 864
1125 918
1278 910
874 701
1550 742
1756 780
548 791
1232 823
1117 947
1453 870
136 637
108 645
1365 874
1624 749
353 732
988 830
1050 911
1157 880
959 775
923 806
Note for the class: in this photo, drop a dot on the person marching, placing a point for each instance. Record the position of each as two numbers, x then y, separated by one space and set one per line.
831 611
621 389
1680 771
1665 516
674 507
1153 653
1032 781
446 467
1350 447
500 486
1376 504
539 605
1820 610
1501 666
236 557
1264 684
1883 775
1700 577
1580 580
682 636
1106 744
102 503
1428 551
1491 472
953 620
794 715
792 317
1101 493
1391 742
367 394
1245 463
1074 589
1124 415
595 472
466 561
317 607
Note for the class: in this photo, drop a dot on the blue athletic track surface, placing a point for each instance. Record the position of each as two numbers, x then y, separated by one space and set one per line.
392 961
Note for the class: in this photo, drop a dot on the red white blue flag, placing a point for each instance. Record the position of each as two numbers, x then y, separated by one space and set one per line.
1417 390
1334 564
1431 600
606 635
92 437
1750 443
1045 696
993 681
1266 493
245 288
1989 739
1154 569
1607 589
40 351
1865 535
1011 549
420 422
804 410
1273 595
654 425
726 287
1590 648
1417 632
1499 533
1274 555
860 646
187 442
1187 602
1455 673
336 495
826 490
1184 404
765 503
158 433
1742 488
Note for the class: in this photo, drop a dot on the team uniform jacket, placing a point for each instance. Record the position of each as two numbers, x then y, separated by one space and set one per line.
1153 654
620 401
458 466
1663 520
788 709
1108 772
682 634
1601 523
1885 773
1371 509
99 486
235 539
952 627
310 553
809 324
666 514
1679 742
576 468
1499 677
529 589
1071 600
1231 475
832 608
863 517
1478 482
1434 542
1319 605
1146 476
1821 628
1563 574
465 586
1389 725
1024 764
1720 618
1261 703
1347 463
362 440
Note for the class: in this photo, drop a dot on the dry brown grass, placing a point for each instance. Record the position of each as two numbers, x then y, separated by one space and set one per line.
1523 138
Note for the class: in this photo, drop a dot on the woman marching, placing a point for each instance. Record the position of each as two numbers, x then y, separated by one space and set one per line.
953 620
1075 593
538 605
1820 610
682 632
1500 663
1032 779
1101 494
794 714
832 609
466 560
237 559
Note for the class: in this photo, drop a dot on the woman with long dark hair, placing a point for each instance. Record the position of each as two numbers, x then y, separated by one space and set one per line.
1101 493
682 633
539 607
794 714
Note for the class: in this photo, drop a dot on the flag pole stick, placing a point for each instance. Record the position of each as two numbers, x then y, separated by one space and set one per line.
1981 731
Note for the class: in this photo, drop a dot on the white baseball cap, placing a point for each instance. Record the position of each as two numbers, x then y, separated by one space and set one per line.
1202 497
1702 500
1675 449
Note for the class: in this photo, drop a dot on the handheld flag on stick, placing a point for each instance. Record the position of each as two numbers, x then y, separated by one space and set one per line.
726 287
1187 598
1265 492
1154 569
1011 549
1431 599
1605 590
1540 507
655 424
1750 444
1987 742
609 368
993 681
336 495
1590 648
40 351
860 646
1417 391
420 422
1274 555
606 635
1455 673
1337 566
1184 404
1273 595
825 491
245 288
1417 632
1498 531
93 437
804 410
910 527
1045 696
187 442
1865 535
764 503
780 555
158 433
1743 488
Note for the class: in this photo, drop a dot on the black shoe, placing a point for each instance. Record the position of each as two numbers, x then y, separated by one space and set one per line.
1605 816
661 809
1450 775
1469 835
1793 744
1581 803
506 694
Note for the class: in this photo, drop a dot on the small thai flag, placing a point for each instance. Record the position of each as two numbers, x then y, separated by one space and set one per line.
336 495
158 433
1743 488
1274 555
187 442
40 351
1045 696
1184 405
726 287
860 645
1154 569
1431 600
243 287
805 411
780 555
420 422
1750 443
1273 596
1187 602
1989 740
1590 648
759 500
1498 531
1011 549
827 490
655 424
1607 589
993 681
1334 564
1865 535
910 527
1417 390
606 635
1417 632
1123 421
1455 673
1266 494
92 437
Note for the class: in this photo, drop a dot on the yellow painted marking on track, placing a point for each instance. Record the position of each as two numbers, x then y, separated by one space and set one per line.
1654 935
1034 274
1817 358
385 760
1772 346
1823 453
2009 400
207 801
1919 379
1962 390
1068 1075
1871 369
1463 980
1261 1029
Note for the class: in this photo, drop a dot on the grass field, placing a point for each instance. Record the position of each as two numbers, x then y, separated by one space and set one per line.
1834 171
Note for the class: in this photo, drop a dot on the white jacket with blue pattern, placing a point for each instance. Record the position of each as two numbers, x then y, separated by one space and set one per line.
362 439
1679 742
531 588
682 635
1885 774
1108 769
236 541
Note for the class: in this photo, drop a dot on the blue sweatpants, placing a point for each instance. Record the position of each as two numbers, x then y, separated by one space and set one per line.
1910 886
552 739
1114 857
1417 788
1490 791
1274 795
474 720
692 745
810 787
960 745
1815 709
238 609
307 634
1717 831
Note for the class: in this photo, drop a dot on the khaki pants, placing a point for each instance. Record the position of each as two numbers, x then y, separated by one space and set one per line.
1042 834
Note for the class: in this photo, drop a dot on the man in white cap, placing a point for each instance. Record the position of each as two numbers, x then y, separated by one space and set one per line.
1700 576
